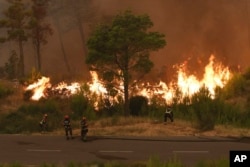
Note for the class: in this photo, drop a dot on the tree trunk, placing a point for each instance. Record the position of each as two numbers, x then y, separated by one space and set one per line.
80 28
39 61
126 96
21 60
126 85
62 47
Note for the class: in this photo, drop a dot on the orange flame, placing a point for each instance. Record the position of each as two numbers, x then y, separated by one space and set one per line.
215 75
39 87
95 85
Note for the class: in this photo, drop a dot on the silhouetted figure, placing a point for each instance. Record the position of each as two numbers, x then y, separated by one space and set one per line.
43 123
67 127
168 114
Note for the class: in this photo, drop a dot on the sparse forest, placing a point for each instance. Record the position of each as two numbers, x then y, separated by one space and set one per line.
28 26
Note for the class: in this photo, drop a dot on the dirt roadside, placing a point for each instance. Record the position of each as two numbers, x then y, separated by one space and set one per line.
159 129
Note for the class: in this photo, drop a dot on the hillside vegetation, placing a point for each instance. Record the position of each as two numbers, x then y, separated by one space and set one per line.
225 115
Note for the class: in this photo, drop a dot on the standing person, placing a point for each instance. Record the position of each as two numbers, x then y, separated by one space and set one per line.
43 123
67 127
84 128
168 114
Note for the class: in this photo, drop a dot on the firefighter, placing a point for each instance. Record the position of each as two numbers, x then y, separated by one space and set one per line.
67 127
84 128
43 123
168 114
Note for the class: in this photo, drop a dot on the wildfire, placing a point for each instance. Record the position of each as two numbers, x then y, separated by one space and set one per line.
215 75
96 86
39 87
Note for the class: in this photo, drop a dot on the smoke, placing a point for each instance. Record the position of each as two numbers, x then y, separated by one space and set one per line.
194 30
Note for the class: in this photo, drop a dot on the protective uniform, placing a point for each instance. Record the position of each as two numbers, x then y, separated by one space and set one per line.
84 128
43 123
67 127
168 114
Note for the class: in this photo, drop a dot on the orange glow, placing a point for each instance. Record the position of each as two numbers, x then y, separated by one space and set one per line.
215 75
39 87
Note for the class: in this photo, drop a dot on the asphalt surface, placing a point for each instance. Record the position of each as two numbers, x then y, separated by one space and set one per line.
34 150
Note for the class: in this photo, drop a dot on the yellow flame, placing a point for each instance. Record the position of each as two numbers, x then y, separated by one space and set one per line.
95 85
215 75
39 87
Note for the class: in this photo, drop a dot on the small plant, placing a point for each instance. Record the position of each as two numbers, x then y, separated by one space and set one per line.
203 107
138 105
5 91
79 104
11 67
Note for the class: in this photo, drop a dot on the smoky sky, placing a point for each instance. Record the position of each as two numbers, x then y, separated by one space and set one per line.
194 30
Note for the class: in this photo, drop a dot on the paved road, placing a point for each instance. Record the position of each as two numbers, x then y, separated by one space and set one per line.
34 150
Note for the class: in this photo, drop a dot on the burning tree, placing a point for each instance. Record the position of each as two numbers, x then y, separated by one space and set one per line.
120 51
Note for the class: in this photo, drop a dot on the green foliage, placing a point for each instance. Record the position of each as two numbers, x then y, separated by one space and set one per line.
15 24
110 109
183 111
138 105
21 22
204 110
156 161
236 86
28 116
79 104
156 107
5 91
39 29
16 13
118 50
48 165
153 161
11 67
246 74
223 162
